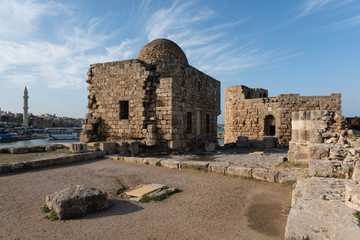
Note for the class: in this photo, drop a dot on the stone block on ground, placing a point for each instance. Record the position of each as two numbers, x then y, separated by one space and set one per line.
286 175
326 168
239 171
265 174
77 201
78 147
195 164
218 167
108 147
170 163
319 151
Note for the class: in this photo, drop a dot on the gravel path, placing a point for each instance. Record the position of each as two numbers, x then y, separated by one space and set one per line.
210 206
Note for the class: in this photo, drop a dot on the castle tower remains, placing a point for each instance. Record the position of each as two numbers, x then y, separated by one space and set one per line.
26 108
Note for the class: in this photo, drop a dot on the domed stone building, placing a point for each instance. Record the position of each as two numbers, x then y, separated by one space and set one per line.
158 99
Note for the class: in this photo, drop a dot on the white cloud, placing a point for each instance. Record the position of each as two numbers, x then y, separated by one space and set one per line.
349 21
211 49
20 18
312 6
62 60
168 21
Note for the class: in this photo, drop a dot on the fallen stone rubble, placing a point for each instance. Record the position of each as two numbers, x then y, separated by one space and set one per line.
320 210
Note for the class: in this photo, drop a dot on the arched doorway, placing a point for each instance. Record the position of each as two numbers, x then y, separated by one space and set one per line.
270 125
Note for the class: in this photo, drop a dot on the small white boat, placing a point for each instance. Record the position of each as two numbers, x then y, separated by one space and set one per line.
63 136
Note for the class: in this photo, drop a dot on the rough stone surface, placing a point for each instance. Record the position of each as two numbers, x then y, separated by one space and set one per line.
218 167
77 201
78 147
195 164
326 168
239 171
108 147
169 163
270 175
157 99
352 195
250 112
318 211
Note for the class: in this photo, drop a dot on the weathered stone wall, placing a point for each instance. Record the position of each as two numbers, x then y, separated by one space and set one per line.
322 139
247 116
110 83
161 94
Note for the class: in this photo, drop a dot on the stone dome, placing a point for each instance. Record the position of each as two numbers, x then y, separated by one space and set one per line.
162 49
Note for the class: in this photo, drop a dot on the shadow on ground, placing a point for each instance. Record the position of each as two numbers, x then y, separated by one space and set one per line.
116 207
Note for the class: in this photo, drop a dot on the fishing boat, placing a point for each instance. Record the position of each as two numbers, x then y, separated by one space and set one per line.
62 134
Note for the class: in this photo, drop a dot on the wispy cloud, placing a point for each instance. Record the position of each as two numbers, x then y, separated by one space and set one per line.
214 49
312 6
20 18
61 60
349 22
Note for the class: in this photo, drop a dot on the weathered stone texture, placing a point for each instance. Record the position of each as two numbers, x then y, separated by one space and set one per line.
77 201
164 95
246 112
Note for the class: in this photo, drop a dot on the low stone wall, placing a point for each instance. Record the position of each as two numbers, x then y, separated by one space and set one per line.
19 166
269 174
31 149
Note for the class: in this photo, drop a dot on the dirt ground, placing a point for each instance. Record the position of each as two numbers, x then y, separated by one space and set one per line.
209 206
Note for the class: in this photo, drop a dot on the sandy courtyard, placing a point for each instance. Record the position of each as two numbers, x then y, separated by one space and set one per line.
209 206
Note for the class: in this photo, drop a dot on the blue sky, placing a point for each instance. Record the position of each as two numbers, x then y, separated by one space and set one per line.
311 47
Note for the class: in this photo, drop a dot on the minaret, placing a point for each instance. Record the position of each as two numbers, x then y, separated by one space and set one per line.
25 115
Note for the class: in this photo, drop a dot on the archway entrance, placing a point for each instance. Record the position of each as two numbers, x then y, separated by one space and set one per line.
270 125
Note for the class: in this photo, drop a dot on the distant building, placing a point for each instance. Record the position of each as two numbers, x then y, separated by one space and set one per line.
157 98
251 113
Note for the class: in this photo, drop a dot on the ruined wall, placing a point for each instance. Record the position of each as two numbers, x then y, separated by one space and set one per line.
168 103
199 94
191 92
159 94
110 83
322 139
247 117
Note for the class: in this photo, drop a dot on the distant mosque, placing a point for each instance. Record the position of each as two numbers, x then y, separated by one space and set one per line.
26 108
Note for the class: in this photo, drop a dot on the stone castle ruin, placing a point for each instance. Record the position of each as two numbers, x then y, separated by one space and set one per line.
249 112
157 99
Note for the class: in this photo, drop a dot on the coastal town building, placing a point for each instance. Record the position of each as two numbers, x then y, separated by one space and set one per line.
249 112
158 99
